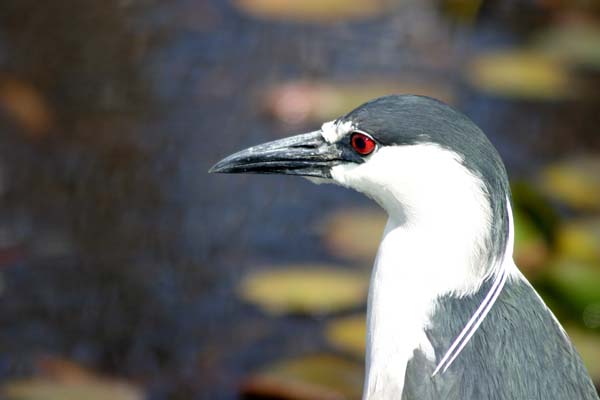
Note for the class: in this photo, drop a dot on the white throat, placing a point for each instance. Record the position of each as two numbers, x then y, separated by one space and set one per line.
433 245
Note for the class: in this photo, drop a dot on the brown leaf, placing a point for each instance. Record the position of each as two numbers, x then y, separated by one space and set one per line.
62 379
316 377
26 106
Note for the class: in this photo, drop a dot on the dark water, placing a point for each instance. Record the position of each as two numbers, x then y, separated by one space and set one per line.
118 250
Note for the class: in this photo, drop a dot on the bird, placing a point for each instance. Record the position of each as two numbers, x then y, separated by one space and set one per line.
449 314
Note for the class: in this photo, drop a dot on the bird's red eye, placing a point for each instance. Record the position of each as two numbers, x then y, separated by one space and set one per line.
362 143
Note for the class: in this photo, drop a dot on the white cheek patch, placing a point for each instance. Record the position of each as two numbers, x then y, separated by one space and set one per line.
333 131
343 175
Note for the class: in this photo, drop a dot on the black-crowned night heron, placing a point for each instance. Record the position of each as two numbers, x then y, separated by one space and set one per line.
449 314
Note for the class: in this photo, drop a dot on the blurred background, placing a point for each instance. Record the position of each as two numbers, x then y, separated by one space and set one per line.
127 272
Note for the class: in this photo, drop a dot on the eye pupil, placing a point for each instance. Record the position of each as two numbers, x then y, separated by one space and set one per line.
362 143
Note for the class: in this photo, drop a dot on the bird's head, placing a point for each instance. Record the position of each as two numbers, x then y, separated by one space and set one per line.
417 157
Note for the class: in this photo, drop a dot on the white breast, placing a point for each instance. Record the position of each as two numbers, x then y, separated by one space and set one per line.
433 245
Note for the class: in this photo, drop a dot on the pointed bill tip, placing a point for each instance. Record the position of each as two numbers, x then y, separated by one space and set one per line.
215 169
306 155
230 164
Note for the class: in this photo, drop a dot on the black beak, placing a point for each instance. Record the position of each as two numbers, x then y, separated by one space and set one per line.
306 155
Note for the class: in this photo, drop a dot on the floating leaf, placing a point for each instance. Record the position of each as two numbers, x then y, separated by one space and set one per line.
531 249
575 181
588 345
323 377
520 74
573 42
580 240
63 379
324 11
302 101
26 106
528 198
591 316
60 369
42 389
462 10
307 289
348 334
355 233
577 283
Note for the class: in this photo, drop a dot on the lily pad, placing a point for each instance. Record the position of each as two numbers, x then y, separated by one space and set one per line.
520 74
42 389
575 282
531 248
26 106
580 240
314 101
320 376
576 43
464 11
355 234
575 182
323 11
299 289
62 379
591 316
348 334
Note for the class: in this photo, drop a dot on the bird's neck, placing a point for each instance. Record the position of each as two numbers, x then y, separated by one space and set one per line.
419 260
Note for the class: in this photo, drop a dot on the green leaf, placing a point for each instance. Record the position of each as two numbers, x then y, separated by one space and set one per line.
575 182
575 43
531 249
580 240
577 283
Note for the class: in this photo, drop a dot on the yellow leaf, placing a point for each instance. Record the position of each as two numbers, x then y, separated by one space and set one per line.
44 389
580 240
520 74
575 42
348 334
575 181
305 289
324 11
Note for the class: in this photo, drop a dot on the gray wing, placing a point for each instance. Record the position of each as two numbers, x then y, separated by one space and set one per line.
519 352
